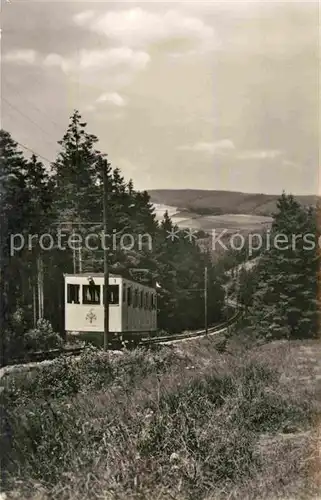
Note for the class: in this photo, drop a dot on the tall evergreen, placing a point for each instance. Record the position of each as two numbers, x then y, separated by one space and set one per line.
75 173
181 267
14 212
26 203
286 300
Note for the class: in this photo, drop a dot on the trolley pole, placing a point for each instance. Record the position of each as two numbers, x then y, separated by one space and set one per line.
106 248
205 300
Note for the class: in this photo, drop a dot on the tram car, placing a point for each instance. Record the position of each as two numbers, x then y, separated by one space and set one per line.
132 307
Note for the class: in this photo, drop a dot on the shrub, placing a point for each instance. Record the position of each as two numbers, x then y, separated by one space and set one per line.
14 333
42 337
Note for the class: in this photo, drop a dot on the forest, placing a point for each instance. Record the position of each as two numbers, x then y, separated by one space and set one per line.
38 204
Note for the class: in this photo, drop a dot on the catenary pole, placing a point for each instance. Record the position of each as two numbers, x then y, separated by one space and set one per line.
106 268
205 300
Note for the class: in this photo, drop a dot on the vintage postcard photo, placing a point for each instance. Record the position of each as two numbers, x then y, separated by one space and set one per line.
160 250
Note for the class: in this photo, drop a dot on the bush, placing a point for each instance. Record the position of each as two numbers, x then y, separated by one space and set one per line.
14 333
42 338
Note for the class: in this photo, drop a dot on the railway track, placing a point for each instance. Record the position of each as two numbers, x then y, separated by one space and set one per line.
38 357
219 328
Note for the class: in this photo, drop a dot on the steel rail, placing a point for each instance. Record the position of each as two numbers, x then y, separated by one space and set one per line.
56 353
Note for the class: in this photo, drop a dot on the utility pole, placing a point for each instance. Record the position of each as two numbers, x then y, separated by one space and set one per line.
3 289
205 300
80 254
74 252
106 248
80 260
40 287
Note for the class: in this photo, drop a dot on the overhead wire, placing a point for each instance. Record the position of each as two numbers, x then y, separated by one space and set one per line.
34 152
12 106
32 104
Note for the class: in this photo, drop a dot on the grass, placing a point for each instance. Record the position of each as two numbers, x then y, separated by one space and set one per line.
180 422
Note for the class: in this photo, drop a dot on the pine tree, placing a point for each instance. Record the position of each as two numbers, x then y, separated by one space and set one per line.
14 211
79 199
247 282
75 173
286 300
41 189
181 266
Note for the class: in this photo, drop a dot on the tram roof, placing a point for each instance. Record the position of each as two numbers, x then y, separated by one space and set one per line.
101 275
94 275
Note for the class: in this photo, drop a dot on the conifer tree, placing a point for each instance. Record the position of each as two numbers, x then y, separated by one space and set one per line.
14 211
75 172
286 299
181 267
41 190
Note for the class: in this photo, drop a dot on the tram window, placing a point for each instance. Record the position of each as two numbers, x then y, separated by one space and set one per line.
141 299
113 294
73 294
129 296
91 294
154 301
146 300
124 294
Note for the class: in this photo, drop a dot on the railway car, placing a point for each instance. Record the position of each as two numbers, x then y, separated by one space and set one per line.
132 306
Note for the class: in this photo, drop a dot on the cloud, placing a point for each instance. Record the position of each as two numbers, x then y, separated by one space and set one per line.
113 98
122 57
52 60
178 55
83 17
259 155
291 164
22 56
114 67
227 148
110 97
139 28
212 148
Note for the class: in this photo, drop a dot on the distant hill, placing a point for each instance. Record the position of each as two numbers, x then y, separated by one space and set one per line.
208 202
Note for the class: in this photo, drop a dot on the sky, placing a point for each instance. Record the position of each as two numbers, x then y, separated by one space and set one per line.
203 94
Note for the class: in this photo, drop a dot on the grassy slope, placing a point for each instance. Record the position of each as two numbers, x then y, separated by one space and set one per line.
226 201
183 423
